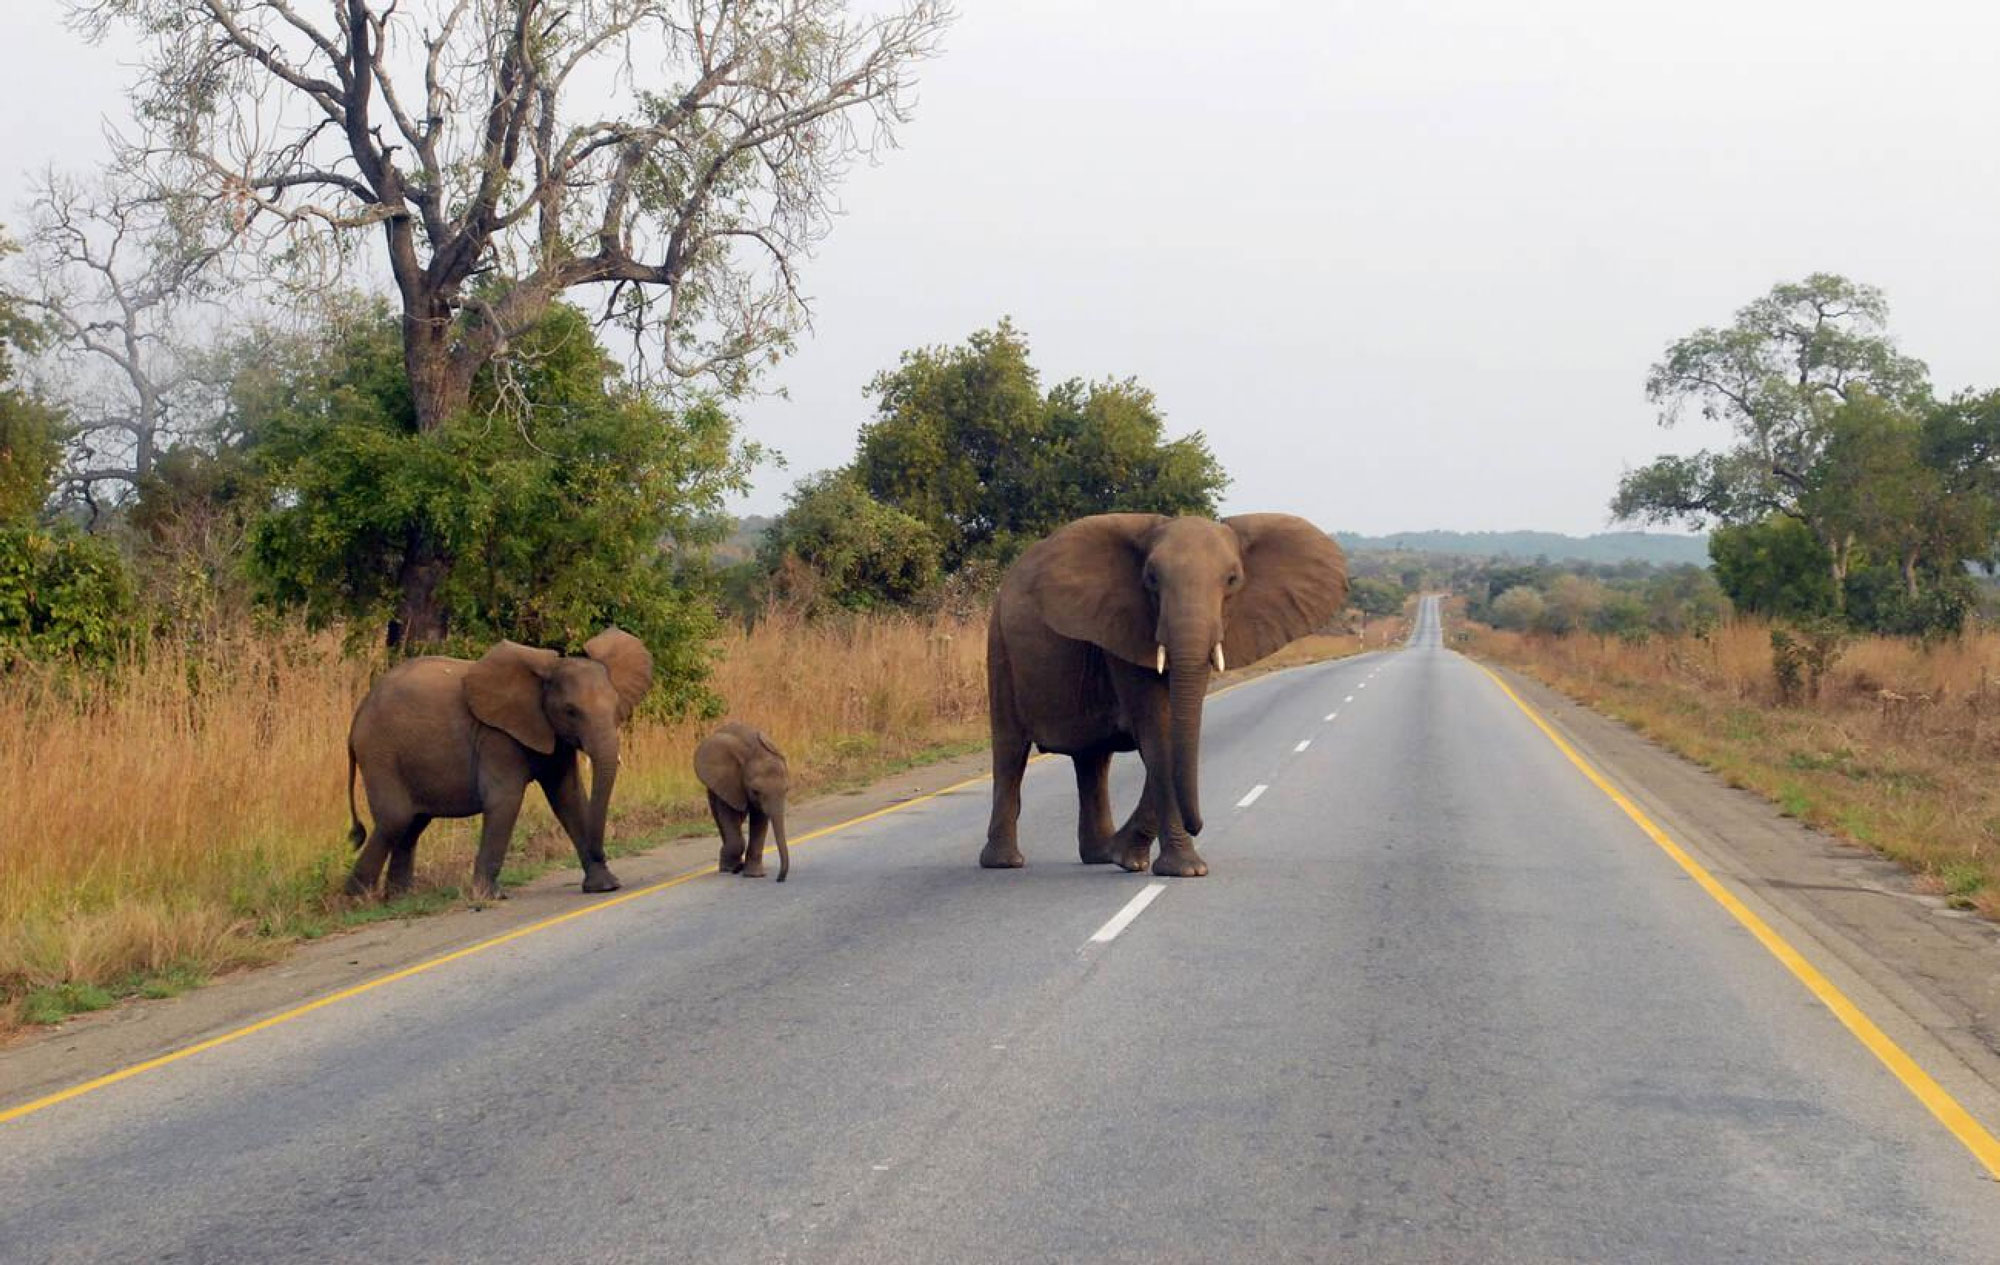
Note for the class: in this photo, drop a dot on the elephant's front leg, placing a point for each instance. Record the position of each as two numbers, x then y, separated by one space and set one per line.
730 823
1093 808
496 831
1132 846
753 849
564 787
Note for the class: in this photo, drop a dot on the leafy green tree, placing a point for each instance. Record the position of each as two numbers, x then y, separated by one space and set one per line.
1519 609
680 157
865 554
1773 567
1571 604
1779 376
561 501
965 442
63 595
1374 596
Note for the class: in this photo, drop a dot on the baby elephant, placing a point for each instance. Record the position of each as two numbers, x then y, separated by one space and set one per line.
746 775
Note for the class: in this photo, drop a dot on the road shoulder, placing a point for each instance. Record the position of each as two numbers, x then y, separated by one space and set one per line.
96 1044
1857 914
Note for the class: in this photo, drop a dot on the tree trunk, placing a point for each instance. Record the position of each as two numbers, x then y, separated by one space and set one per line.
420 617
440 388
1910 573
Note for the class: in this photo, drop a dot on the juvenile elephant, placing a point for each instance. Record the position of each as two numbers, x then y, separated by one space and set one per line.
442 737
1102 639
746 776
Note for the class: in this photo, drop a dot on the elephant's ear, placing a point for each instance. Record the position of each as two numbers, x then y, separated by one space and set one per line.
504 690
626 658
719 765
768 745
1294 580
1088 580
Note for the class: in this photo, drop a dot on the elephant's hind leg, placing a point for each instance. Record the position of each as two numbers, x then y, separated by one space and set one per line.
1010 762
403 858
392 818
1093 808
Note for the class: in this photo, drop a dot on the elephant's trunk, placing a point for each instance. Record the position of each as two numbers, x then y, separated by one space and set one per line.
777 815
1187 684
603 755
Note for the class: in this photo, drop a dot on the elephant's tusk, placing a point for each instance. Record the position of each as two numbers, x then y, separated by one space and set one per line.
1218 658
1160 663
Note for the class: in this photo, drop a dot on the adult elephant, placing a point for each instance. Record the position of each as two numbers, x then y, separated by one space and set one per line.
1102 640
441 737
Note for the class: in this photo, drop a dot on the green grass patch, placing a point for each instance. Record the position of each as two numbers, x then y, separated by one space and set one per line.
1961 880
54 1003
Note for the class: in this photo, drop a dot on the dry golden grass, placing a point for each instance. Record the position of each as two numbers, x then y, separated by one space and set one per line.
1897 752
190 815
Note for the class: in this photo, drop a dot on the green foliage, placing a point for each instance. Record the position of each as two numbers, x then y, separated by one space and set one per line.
965 442
1519 609
1773 567
1373 596
858 552
561 502
30 429
63 596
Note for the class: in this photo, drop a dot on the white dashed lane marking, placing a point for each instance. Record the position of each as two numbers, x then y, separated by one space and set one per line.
1331 715
1251 798
1123 918
1302 746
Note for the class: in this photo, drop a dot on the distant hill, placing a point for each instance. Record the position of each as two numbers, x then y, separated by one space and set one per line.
1611 546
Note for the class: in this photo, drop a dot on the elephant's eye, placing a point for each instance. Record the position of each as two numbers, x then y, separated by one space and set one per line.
1235 578
1152 578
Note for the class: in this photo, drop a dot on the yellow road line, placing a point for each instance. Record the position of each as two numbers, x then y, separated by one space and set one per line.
1927 1091
430 964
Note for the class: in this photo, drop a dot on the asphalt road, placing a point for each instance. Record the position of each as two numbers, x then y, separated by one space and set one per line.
1438 1000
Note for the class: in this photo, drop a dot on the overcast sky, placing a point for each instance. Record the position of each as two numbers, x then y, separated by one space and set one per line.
1406 265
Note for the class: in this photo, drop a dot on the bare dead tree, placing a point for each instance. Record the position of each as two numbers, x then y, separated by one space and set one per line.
680 156
118 278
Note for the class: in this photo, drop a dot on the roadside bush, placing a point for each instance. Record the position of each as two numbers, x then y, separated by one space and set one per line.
63 596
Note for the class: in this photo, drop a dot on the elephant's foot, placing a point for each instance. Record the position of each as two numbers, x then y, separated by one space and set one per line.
484 893
600 879
727 864
753 870
1001 856
358 888
1099 852
1131 851
1179 862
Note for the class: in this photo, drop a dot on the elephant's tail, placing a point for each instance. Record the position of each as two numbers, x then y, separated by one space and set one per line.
355 834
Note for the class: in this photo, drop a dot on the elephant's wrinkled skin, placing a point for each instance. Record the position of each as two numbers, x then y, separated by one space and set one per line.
442 737
747 777
1102 639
